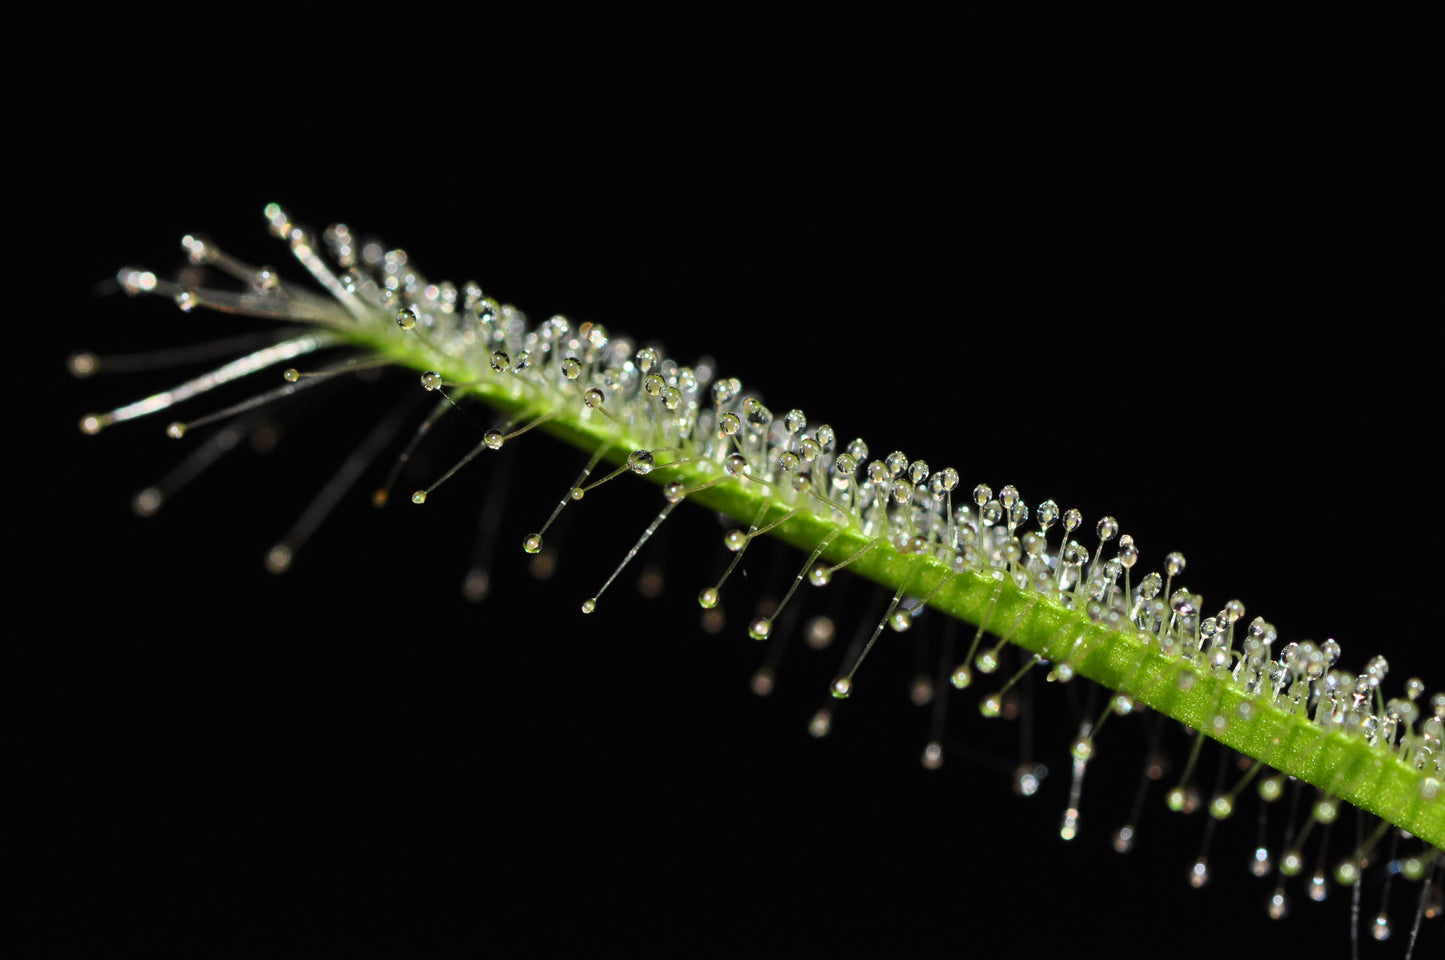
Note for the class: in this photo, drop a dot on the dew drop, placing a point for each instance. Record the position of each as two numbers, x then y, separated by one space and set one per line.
987 662
431 380
571 368
920 693
1199 873
842 687
594 398
1124 839
589 605
932 757
1028 777
532 543
761 627
146 502
406 318
1380 929
674 492
819 632
990 706
493 439
291 375
176 430
640 462
500 360
1221 807
961 677
735 540
1278 905
476 586
82 365
419 497
1128 553
1082 749
1048 514
707 598
820 575
278 558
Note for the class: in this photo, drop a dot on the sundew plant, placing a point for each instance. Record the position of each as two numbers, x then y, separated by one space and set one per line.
997 597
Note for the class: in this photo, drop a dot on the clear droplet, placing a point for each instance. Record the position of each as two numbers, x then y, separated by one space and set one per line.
760 628
842 687
1199 873
932 757
589 605
707 598
278 558
532 543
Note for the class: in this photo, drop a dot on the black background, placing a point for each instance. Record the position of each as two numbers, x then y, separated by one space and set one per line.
1182 273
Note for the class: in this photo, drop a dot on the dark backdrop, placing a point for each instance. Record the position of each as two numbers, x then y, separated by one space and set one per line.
1181 273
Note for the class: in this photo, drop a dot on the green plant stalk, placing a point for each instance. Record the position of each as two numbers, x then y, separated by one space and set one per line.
1344 766
1128 661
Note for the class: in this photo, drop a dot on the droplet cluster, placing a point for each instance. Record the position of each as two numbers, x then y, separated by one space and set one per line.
660 414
